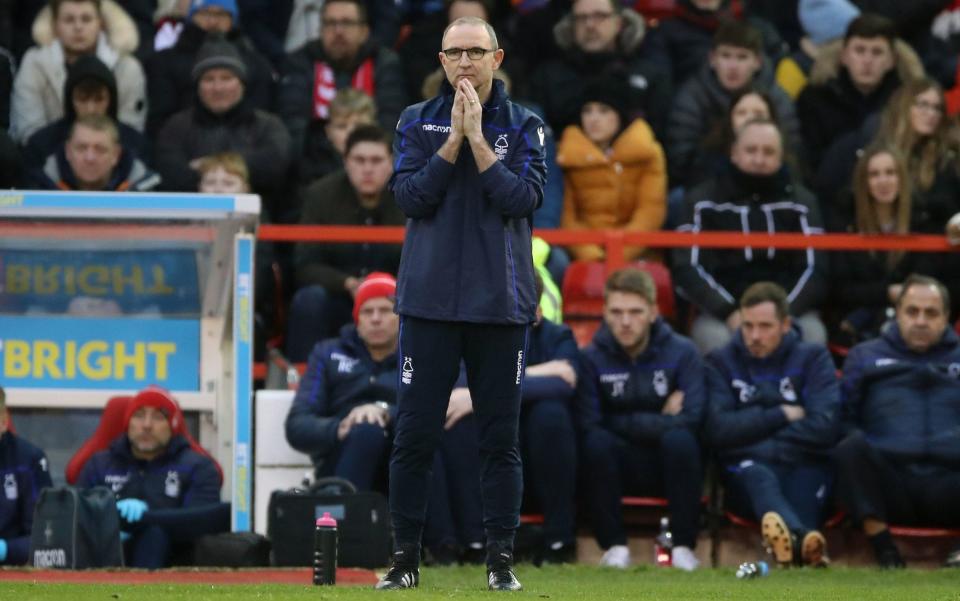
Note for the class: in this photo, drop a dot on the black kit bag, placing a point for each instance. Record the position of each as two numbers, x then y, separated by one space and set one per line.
232 550
76 528
363 524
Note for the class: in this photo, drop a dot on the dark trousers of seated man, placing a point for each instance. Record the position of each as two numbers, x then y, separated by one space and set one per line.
873 484
454 508
614 467
549 451
162 533
799 493
430 354
361 457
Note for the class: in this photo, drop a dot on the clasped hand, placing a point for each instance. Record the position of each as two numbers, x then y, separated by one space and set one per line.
467 114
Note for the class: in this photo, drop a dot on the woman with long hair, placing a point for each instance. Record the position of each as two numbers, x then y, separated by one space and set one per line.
869 282
915 123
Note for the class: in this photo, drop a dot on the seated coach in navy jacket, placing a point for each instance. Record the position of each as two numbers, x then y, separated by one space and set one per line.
773 420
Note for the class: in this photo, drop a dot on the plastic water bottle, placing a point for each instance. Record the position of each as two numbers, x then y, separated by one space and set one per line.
753 569
663 545
325 550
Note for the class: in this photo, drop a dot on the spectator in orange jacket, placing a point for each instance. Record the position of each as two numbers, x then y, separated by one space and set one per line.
614 170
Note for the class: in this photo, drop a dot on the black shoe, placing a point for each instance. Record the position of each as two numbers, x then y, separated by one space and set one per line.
503 579
399 577
890 559
886 552
560 553
404 570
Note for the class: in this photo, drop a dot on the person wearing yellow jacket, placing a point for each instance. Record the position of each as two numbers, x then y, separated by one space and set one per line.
614 170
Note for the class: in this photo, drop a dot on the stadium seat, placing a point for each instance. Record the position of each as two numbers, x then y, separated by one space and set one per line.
111 426
583 295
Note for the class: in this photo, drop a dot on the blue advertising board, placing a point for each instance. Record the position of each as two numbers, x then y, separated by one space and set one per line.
84 282
125 353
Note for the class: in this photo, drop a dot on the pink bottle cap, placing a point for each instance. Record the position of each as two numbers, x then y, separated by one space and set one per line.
327 520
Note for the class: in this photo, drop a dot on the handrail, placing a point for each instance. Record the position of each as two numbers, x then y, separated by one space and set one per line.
614 241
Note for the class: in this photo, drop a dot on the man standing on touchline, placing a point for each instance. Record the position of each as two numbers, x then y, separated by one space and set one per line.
469 172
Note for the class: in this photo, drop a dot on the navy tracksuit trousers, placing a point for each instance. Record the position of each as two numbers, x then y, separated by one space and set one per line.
799 493
873 484
429 355
672 468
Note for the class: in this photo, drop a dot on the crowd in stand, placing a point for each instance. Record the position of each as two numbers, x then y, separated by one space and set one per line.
771 116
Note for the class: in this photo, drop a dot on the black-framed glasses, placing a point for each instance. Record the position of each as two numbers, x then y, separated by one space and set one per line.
473 54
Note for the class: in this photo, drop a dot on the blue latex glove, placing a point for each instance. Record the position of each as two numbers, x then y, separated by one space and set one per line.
131 509
3 550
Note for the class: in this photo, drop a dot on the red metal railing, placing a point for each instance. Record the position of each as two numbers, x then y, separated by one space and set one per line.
614 241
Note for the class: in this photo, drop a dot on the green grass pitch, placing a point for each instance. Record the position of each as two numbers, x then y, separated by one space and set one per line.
580 583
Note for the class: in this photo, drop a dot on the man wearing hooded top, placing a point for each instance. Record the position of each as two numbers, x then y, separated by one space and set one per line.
755 193
167 492
171 82
90 90
222 119
344 56
641 403
773 416
68 30
92 158
898 462
600 37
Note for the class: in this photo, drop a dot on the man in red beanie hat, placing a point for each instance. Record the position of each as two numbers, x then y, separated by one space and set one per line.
346 400
167 492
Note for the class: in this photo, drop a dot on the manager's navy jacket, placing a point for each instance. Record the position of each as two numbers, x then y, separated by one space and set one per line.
467 252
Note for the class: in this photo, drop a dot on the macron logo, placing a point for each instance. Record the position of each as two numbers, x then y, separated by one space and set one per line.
519 366
443 129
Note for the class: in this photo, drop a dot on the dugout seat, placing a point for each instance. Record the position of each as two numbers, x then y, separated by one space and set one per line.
111 426
583 295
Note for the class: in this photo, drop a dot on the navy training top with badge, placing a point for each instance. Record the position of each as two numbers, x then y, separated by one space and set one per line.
745 420
626 395
467 252
340 375
179 477
24 471
906 403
